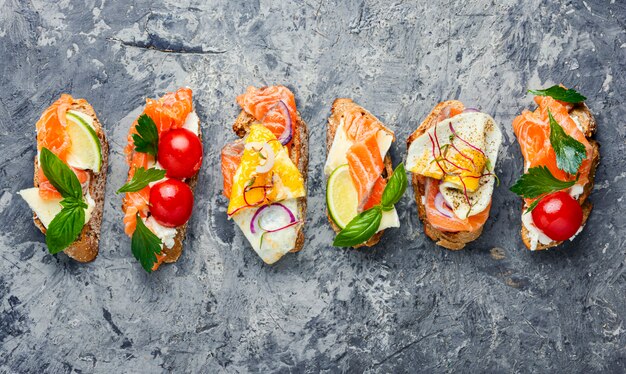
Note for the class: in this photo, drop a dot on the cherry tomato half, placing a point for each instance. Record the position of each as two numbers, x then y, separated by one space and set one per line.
180 153
171 202
558 215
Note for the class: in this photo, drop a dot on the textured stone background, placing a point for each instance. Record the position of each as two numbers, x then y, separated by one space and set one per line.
402 306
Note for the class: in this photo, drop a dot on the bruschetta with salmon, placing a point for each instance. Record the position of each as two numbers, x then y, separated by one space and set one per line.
362 187
67 199
265 172
452 155
164 154
560 161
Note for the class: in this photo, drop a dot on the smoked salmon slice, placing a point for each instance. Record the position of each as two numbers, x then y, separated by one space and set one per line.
52 134
450 223
359 126
366 167
263 104
377 193
231 158
532 130
168 112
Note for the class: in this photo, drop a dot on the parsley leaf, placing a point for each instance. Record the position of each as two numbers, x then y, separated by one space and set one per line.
60 175
145 245
395 188
65 226
141 179
360 229
570 153
539 181
147 137
561 94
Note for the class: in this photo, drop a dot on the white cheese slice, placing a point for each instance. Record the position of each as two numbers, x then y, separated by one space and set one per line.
47 209
536 236
390 219
192 123
166 234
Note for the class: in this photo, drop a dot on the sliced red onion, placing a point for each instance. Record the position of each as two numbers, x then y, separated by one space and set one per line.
286 136
257 216
471 110
442 206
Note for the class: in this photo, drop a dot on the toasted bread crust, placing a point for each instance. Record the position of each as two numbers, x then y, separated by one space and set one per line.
589 125
299 154
450 240
85 248
339 107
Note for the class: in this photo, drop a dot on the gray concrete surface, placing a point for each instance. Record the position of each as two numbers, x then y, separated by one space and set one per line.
404 306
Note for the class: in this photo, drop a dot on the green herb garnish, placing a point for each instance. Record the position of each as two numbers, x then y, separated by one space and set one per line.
570 153
147 137
395 188
561 94
145 245
362 227
68 223
537 183
141 179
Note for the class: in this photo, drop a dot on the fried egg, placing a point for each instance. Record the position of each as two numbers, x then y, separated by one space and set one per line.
461 152
252 187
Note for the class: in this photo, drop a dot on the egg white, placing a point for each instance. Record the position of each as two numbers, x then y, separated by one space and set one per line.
276 244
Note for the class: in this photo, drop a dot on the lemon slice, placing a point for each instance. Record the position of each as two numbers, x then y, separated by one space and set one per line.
341 196
85 152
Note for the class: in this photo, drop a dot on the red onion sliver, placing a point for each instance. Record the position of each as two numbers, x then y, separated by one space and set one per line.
442 206
286 136
471 110
284 227
257 216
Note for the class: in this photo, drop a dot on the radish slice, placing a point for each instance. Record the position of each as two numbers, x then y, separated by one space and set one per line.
264 208
442 206
267 154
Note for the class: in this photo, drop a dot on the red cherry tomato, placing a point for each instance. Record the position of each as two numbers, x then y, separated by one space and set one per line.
558 215
171 202
180 153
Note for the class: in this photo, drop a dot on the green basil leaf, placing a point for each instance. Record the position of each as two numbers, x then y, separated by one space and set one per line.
561 94
570 153
360 229
71 202
141 179
65 228
60 175
539 181
147 137
395 188
145 245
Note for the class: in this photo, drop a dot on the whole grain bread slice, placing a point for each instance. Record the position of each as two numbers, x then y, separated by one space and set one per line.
299 154
85 248
340 106
589 126
449 240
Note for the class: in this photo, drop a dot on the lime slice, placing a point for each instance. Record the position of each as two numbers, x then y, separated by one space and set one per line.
341 196
85 152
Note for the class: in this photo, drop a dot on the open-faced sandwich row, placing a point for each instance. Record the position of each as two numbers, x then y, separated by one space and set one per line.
452 156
